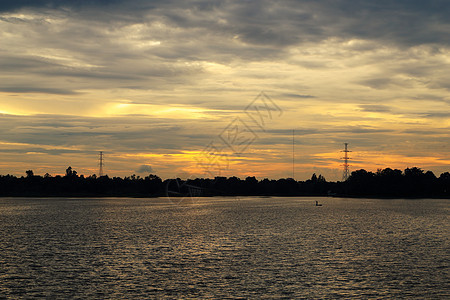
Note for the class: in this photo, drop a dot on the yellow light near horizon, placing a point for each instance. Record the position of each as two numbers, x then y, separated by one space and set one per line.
156 110
7 145
14 112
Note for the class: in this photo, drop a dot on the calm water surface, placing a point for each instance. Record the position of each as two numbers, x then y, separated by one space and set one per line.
224 248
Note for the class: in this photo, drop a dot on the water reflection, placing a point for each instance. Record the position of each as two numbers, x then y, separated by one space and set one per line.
223 247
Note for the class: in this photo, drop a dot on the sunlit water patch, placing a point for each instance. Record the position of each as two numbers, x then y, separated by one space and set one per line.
224 248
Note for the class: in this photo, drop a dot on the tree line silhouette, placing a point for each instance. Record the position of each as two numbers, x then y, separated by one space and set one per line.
386 183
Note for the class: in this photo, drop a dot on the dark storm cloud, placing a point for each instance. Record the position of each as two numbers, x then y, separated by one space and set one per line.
280 23
101 34
404 21
11 5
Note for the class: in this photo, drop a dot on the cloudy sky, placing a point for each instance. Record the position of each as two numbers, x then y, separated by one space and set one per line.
206 88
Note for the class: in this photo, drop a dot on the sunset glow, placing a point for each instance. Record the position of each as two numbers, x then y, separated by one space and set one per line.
155 85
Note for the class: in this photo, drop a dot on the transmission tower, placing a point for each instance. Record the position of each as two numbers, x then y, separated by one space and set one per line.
293 154
100 164
346 172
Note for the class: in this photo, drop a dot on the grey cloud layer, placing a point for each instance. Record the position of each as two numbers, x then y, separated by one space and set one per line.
110 42
279 22
130 134
12 5
135 134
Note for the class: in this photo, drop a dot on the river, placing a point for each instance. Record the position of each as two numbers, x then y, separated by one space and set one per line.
224 247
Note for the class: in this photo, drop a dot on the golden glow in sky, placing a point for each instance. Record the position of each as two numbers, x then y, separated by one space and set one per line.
159 86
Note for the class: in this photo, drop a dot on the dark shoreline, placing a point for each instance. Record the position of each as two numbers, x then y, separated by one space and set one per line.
71 196
412 183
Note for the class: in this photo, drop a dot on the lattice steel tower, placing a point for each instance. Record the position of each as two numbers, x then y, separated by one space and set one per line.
293 154
346 172
100 164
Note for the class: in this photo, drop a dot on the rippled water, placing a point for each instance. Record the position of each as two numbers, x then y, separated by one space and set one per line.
224 248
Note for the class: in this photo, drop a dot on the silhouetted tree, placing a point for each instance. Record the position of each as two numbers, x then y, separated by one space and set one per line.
321 179
361 182
69 172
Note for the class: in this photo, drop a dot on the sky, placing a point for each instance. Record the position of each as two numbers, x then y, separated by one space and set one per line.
216 88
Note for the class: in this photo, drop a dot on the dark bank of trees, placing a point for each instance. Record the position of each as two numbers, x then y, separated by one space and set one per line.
389 183
412 182
74 185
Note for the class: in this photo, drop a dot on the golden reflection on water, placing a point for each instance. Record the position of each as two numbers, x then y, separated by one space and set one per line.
244 247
